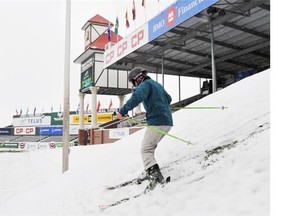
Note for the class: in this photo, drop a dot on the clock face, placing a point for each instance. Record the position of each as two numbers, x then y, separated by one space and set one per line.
86 36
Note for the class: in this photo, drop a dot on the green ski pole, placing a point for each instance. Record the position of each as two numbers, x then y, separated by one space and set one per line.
159 131
200 107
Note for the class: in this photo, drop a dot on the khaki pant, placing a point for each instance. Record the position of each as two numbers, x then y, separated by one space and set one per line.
149 144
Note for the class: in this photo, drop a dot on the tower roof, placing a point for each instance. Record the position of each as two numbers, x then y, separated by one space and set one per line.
97 20
102 40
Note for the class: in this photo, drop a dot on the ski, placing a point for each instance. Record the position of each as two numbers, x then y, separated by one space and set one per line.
105 206
136 181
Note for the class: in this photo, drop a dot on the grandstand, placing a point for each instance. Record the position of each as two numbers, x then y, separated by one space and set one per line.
220 45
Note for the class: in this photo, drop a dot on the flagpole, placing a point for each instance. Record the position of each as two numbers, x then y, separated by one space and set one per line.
144 5
116 27
65 153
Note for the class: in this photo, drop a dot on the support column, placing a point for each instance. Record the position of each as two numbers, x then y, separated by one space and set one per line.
214 77
121 100
179 86
93 90
157 74
82 133
81 110
200 85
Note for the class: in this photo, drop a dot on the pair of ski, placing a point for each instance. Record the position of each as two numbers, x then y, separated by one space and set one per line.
130 182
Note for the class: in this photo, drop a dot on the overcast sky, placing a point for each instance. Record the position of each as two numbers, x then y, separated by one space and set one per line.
32 50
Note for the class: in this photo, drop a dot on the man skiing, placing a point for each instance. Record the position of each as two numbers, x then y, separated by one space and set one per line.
156 102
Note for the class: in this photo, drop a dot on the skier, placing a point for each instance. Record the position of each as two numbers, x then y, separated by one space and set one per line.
156 102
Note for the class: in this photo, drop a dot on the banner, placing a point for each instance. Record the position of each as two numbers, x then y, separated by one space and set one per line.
9 145
24 131
56 118
75 119
105 117
127 45
174 15
37 145
50 130
100 118
6 131
32 121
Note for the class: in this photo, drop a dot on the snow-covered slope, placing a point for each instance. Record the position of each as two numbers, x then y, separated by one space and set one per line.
225 172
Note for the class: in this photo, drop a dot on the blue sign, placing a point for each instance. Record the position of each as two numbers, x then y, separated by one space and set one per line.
51 130
174 15
6 131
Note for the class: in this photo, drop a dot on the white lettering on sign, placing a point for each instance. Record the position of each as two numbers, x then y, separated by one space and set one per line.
182 10
159 25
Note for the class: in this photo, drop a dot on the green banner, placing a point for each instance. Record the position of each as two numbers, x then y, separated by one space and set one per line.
60 144
9 145
57 118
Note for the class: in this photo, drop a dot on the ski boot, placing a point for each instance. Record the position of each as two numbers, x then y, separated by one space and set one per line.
154 176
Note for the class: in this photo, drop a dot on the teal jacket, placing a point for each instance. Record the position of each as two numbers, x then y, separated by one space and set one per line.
156 102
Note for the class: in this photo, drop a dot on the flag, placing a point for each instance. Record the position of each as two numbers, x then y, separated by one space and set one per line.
116 25
109 32
34 111
134 10
27 112
110 104
98 106
127 19
51 108
144 3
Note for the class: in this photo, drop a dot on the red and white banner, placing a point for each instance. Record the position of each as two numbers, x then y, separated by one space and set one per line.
127 45
24 131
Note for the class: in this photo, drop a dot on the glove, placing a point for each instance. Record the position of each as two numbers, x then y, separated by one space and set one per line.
119 116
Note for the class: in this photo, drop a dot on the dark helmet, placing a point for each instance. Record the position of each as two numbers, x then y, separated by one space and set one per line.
135 73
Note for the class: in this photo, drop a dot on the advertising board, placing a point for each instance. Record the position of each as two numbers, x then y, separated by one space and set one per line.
32 121
127 45
24 131
174 15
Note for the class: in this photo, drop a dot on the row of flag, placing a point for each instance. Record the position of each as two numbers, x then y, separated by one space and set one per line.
20 112
133 12
97 107
126 19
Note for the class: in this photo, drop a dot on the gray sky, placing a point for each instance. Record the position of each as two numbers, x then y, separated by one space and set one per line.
32 51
